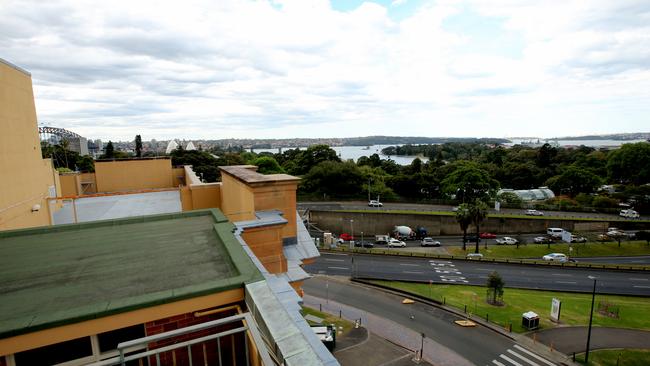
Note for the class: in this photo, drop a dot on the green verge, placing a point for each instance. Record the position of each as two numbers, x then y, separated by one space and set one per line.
633 311
536 251
627 357
327 319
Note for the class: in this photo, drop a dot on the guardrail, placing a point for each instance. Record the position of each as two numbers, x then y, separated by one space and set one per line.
398 253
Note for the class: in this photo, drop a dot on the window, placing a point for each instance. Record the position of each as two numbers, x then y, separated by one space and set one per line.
108 341
55 353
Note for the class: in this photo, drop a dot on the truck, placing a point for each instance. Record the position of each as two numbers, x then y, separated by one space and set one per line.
403 232
381 239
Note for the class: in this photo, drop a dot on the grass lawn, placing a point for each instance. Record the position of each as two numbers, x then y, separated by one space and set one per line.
328 319
633 311
626 357
591 249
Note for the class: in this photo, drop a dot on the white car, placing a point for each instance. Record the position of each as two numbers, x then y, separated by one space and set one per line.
394 243
506 240
429 242
474 256
630 214
534 213
555 257
375 203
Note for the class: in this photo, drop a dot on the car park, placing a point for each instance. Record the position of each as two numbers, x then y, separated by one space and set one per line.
375 203
364 244
487 236
506 240
543 240
474 256
534 213
555 257
429 242
394 243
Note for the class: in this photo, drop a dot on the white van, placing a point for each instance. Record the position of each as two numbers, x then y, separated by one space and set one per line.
555 232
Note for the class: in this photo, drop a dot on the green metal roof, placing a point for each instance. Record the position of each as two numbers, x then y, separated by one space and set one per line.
64 274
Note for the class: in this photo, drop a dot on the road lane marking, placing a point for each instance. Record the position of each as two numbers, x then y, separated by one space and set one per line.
522 349
339 254
567 282
334 260
510 360
338 267
522 357
561 274
409 264
637 286
639 279
497 363
413 272
484 269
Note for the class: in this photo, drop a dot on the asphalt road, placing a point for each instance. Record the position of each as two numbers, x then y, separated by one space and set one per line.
477 344
638 259
476 273
363 205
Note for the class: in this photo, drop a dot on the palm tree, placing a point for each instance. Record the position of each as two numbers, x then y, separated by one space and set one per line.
464 220
478 212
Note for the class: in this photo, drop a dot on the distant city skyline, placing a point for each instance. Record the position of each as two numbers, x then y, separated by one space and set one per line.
340 68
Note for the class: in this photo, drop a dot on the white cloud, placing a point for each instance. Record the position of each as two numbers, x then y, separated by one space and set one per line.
299 68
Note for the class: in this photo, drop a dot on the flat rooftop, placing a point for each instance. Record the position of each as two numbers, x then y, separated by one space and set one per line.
118 206
64 274
249 175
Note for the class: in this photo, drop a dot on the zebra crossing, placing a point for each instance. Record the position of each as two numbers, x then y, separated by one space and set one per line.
520 357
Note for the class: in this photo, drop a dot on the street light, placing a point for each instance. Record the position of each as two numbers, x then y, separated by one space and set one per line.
591 317
351 233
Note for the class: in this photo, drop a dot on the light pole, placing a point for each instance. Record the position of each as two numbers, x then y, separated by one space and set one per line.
591 317
351 234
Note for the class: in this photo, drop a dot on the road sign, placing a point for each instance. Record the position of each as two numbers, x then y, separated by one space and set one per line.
556 305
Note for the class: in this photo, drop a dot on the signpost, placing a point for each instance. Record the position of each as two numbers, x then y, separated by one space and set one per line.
556 306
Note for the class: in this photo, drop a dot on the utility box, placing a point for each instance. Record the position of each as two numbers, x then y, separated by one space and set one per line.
530 320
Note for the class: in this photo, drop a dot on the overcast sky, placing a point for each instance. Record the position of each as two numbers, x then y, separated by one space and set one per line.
302 68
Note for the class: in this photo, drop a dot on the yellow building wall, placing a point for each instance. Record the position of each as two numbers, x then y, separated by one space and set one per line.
88 183
28 179
237 199
266 243
279 197
70 184
178 176
133 174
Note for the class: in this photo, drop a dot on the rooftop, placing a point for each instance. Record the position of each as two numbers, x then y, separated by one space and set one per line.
249 175
58 275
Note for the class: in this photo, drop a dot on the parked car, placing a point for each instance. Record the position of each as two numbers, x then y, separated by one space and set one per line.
630 214
474 256
604 237
375 203
472 238
534 213
543 240
578 239
506 240
396 243
487 236
429 242
555 257
364 244
346 237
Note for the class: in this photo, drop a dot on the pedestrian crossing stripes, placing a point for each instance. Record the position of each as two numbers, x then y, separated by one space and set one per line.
520 357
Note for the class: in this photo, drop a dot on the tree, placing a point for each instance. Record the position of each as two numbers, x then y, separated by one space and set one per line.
334 179
630 164
109 151
138 146
464 219
495 286
575 180
267 165
470 183
478 211
313 156
510 199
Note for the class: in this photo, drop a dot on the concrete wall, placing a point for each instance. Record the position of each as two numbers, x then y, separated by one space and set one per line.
70 184
88 183
133 174
383 223
279 197
27 178
266 243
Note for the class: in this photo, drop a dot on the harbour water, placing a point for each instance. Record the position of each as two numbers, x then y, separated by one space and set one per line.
355 152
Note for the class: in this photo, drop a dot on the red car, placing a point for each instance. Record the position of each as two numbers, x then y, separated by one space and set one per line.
346 237
487 236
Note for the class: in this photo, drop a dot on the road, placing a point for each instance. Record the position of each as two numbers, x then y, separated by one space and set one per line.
362 205
476 273
479 345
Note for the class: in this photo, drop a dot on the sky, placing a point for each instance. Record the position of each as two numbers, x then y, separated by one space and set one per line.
342 68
